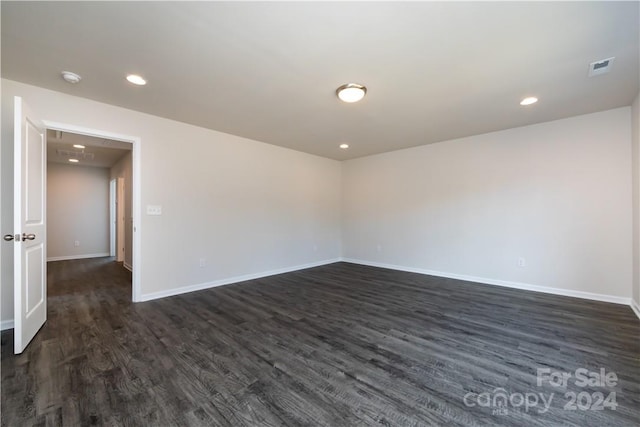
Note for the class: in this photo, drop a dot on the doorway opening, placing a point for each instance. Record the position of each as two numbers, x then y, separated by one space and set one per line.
93 197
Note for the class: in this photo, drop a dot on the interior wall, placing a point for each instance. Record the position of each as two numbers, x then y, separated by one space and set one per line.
238 207
6 189
635 141
77 211
555 194
124 169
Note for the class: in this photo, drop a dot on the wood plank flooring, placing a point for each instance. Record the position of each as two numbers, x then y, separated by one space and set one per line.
338 345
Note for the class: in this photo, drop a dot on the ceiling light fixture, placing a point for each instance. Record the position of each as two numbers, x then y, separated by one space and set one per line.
351 92
82 147
70 77
529 100
136 80
344 146
74 160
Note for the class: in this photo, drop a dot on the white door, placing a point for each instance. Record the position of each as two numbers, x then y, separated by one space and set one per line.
30 283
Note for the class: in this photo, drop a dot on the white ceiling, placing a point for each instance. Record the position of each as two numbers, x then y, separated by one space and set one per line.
269 70
98 152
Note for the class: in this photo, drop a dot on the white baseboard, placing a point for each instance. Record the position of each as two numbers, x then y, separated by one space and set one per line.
507 284
231 280
127 266
635 307
69 257
6 324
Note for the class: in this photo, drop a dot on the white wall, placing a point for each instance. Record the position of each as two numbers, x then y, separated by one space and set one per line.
124 169
6 188
6 218
556 194
77 210
246 207
635 141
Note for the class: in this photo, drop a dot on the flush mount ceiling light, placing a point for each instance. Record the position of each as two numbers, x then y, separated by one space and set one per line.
82 147
74 160
136 80
351 92
70 77
529 100
344 146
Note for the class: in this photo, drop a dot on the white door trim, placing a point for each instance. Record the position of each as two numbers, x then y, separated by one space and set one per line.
112 217
120 221
136 213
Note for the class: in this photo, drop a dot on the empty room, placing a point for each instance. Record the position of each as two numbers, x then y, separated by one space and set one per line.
321 214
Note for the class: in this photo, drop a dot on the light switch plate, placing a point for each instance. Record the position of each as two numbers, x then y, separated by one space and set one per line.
154 210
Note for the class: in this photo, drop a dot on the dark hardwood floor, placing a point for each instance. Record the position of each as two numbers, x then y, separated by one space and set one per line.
339 345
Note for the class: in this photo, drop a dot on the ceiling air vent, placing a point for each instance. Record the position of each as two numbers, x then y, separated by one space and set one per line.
80 155
600 67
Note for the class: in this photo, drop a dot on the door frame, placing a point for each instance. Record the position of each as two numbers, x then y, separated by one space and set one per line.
120 221
112 217
136 208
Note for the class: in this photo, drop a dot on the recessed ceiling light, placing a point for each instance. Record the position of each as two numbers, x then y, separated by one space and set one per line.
344 146
351 92
74 160
82 147
70 77
529 100
136 80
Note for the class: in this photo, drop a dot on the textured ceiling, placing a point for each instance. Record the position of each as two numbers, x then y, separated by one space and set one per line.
269 70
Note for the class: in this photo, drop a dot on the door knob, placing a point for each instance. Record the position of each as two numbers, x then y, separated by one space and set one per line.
28 236
10 237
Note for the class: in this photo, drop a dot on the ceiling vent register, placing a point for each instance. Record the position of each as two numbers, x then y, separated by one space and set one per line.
75 154
600 67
